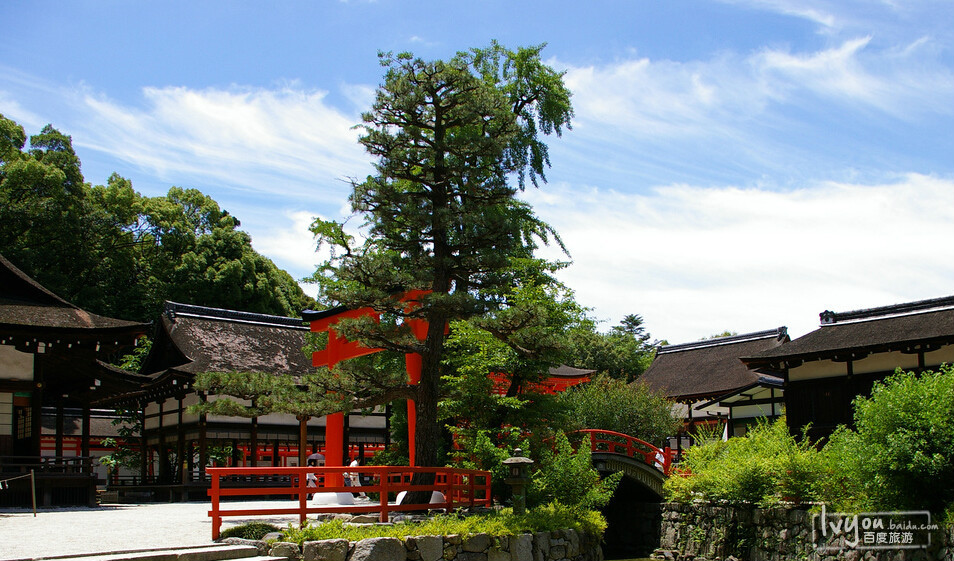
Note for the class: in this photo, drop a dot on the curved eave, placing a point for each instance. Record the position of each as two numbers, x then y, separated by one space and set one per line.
782 361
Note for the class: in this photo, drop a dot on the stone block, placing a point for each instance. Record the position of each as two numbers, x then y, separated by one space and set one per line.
478 543
326 550
431 548
572 543
379 549
288 550
496 554
471 556
261 546
557 552
521 548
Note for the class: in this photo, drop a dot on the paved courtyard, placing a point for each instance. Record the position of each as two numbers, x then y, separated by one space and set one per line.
75 530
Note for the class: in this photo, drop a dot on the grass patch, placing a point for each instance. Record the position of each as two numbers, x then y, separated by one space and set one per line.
249 531
554 516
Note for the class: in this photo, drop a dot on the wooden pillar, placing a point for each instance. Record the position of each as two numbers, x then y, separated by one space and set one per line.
182 463
334 442
36 405
346 440
253 441
143 447
203 442
163 451
302 439
85 435
413 363
59 431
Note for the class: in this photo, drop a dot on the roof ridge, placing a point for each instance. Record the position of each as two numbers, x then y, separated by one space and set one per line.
35 285
173 309
779 333
881 312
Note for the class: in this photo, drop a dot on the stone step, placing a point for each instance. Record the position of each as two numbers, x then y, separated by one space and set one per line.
216 552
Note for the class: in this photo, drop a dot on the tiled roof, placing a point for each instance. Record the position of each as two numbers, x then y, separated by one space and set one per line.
710 367
216 340
25 304
897 327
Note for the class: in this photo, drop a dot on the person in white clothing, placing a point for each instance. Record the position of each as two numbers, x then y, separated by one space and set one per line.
355 477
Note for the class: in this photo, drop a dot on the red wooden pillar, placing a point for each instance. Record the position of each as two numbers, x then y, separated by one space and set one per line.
413 363
334 446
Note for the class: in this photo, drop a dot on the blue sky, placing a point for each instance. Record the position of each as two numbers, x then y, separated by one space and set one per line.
733 165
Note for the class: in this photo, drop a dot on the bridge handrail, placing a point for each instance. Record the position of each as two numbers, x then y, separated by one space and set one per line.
654 456
460 487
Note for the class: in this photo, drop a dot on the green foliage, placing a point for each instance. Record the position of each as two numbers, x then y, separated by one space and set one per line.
766 466
625 352
440 213
517 345
110 250
611 404
486 449
129 430
133 361
249 531
568 476
546 518
900 455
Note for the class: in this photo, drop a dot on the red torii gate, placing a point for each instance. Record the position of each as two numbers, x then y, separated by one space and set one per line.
339 349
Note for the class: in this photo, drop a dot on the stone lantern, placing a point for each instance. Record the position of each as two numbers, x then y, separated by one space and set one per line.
518 477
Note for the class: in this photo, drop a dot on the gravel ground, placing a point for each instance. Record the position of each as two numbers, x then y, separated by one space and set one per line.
108 528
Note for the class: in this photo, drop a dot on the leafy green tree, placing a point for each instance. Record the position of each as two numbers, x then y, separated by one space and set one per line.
567 476
114 252
611 404
440 213
900 454
625 352
516 344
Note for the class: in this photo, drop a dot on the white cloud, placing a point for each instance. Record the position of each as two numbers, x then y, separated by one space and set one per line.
286 141
697 261
725 95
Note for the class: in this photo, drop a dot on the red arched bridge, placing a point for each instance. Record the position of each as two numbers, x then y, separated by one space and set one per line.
639 460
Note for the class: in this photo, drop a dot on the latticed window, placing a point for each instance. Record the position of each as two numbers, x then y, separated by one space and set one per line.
24 422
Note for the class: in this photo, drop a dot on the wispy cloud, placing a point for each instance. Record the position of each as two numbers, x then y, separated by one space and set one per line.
695 261
669 98
286 141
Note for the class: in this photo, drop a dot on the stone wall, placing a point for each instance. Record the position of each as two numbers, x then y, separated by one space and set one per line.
706 532
562 545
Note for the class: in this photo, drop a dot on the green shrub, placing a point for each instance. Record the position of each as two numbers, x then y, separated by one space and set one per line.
486 450
767 466
900 455
569 477
249 531
546 518
610 404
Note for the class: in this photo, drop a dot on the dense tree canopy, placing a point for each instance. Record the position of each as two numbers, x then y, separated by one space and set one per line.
115 252
441 213
625 352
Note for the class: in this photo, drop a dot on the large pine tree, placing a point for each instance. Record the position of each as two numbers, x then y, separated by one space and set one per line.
455 141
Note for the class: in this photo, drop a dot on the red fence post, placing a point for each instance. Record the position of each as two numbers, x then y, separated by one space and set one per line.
385 480
214 513
302 495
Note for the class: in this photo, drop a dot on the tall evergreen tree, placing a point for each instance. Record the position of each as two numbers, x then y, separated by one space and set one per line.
454 140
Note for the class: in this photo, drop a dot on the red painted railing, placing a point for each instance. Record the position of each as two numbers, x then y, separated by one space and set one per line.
612 442
460 488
